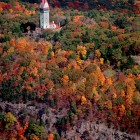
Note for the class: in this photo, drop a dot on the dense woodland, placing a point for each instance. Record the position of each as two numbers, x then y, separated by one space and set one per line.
92 64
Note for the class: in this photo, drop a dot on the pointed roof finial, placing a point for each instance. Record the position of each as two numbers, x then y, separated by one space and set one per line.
44 4
43 1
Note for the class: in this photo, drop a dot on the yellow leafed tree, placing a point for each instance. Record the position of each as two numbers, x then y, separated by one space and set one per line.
9 119
83 100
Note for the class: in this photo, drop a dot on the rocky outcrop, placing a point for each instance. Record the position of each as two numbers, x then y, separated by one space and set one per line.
86 130
93 131
136 59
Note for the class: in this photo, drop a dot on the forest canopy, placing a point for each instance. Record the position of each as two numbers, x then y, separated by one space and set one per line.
90 69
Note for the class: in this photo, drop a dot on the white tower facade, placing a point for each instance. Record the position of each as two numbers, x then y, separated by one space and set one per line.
44 15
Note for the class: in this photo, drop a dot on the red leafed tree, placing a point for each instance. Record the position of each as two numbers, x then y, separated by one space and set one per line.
85 6
57 5
7 6
76 5
70 4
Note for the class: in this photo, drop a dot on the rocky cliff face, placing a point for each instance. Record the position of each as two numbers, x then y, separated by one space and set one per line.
93 131
85 130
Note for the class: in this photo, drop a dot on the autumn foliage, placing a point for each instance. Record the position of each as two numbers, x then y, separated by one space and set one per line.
87 67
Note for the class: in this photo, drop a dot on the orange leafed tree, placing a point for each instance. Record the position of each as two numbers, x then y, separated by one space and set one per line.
51 136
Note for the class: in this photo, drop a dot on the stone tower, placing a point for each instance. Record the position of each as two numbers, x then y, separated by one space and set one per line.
44 15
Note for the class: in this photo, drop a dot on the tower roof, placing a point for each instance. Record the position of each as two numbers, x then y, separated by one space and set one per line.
44 4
